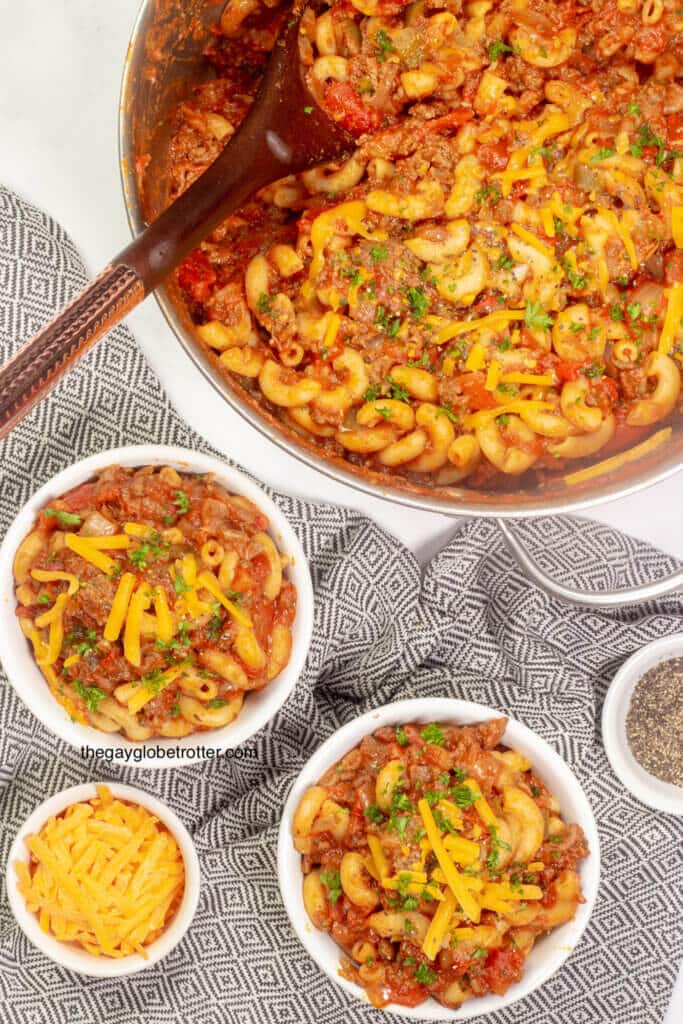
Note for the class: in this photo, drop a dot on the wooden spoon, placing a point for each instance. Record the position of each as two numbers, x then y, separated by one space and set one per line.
284 132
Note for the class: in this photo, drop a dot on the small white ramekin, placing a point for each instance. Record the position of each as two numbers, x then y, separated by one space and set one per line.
28 681
549 953
69 954
662 796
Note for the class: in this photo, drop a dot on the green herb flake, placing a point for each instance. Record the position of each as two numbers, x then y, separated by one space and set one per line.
433 734
536 317
332 883
92 695
63 518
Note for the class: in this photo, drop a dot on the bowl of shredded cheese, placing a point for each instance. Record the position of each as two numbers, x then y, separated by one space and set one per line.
103 879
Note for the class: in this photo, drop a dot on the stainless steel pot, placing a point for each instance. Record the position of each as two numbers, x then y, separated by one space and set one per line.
163 60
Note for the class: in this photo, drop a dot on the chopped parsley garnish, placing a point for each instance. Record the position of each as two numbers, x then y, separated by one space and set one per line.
180 586
92 695
372 393
153 681
479 953
385 45
263 303
497 49
445 410
175 710
616 313
503 420
44 599
419 303
634 310
397 391
213 629
63 518
536 316
504 262
496 846
490 193
83 641
633 108
535 790
374 813
181 502
646 138
433 734
389 323
576 279
378 253
308 110
422 362
217 702
332 883
602 154
401 736
463 796
425 975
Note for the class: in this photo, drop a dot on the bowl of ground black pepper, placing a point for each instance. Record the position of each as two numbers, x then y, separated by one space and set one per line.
642 724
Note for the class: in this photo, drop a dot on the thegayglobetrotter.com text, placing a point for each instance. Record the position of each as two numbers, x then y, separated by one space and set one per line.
137 754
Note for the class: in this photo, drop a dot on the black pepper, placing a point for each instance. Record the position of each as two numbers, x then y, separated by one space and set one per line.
654 722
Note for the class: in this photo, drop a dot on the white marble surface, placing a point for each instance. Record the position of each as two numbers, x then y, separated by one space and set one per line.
60 66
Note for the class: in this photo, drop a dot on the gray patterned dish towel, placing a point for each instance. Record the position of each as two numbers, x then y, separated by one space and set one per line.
468 625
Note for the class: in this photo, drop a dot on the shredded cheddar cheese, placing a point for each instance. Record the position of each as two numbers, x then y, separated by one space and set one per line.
104 875
81 546
672 320
453 877
119 607
617 461
139 603
378 857
677 225
210 583
43 576
439 926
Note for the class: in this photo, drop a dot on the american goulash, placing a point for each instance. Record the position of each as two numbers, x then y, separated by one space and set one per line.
435 857
105 874
154 601
492 284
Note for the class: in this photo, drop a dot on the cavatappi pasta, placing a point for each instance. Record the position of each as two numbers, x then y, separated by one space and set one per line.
435 857
492 284
154 601
105 875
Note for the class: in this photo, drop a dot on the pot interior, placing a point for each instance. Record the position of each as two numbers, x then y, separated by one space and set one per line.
164 60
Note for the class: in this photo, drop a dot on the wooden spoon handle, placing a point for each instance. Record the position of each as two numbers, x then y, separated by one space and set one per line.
37 366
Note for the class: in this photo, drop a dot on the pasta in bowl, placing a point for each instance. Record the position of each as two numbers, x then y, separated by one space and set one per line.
160 599
438 856
490 287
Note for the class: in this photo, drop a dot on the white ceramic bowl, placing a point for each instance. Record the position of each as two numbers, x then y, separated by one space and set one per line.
28 681
549 953
69 954
663 796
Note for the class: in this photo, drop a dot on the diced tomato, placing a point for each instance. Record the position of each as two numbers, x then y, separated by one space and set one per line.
453 120
196 275
673 267
674 129
472 385
503 968
568 369
607 391
80 498
493 155
343 103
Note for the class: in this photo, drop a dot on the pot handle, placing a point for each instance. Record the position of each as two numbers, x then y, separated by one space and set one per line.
587 598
